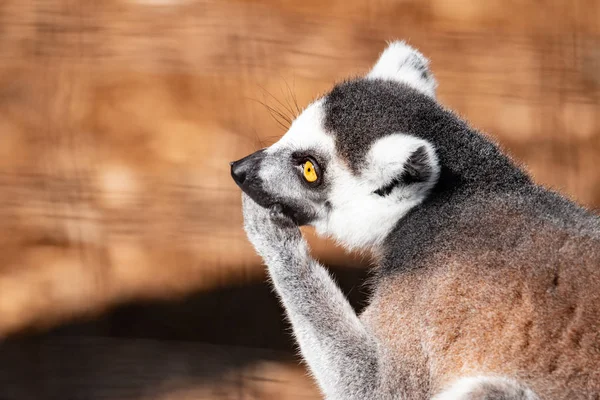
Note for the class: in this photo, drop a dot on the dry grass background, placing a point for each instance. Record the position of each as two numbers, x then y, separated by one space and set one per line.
118 119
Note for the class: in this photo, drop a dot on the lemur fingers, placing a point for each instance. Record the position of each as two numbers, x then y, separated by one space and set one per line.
272 234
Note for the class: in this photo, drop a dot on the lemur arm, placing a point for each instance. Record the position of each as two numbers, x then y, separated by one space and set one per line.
338 349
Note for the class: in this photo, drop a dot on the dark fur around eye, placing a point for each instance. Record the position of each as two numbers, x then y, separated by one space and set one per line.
299 158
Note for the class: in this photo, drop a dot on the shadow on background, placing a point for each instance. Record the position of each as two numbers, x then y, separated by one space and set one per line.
213 339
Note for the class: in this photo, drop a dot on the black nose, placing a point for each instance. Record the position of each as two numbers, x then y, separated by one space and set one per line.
239 171
242 169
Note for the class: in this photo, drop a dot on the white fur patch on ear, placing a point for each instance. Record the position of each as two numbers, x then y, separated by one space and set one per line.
402 63
402 155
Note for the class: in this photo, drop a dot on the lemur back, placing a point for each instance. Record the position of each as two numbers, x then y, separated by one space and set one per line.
487 286
512 293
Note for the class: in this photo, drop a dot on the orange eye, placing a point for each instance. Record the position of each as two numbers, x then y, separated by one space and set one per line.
310 174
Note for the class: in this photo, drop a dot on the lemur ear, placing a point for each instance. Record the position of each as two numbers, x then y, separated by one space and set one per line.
419 167
402 63
400 160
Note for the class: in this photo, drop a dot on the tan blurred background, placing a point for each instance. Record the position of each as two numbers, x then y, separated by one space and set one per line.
124 271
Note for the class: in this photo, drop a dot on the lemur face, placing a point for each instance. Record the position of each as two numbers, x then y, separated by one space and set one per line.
352 164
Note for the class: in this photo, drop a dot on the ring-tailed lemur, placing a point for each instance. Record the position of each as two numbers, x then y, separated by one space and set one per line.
487 285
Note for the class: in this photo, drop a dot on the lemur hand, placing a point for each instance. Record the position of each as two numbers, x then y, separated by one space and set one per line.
275 236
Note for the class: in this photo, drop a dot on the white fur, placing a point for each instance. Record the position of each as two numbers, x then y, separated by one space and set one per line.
307 132
359 218
396 63
387 157
463 387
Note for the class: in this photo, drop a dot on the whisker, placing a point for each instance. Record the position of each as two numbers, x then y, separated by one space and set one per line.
289 110
287 101
276 115
280 113
271 139
292 94
258 139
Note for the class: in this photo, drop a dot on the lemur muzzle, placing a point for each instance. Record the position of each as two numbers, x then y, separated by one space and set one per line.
243 169
245 173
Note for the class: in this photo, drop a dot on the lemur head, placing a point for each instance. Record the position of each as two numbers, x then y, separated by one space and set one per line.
356 160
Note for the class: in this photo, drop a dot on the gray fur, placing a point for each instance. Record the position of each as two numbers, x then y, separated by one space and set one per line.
337 347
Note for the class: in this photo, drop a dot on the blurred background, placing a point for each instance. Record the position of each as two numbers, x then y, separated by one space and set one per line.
124 269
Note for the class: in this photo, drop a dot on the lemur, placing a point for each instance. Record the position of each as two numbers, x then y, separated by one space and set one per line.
486 285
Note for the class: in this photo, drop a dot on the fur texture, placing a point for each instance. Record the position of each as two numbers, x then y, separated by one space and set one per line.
329 332
487 285
489 388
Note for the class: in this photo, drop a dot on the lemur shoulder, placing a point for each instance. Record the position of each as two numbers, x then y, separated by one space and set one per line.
487 285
